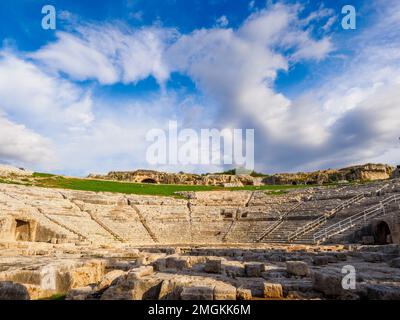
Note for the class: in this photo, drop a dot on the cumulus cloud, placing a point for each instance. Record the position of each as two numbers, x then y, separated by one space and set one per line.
331 124
19 145
31 95
345 118
108 53
238 67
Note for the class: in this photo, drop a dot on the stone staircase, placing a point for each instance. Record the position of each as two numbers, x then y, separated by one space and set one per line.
143 222
356 221
305 234
279 235
323 219
278 223
244 231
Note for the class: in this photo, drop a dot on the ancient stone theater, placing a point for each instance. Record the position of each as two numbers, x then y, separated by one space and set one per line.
213 245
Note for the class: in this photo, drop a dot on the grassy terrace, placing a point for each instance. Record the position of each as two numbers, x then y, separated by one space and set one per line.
53 181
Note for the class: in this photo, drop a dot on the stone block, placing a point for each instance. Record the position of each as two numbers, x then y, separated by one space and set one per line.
213 265
329 283
177 262
323 260
13 291
254 269
80 293
244 294
198 293
224 291
169 290
297 268
273 290
109 278
140 272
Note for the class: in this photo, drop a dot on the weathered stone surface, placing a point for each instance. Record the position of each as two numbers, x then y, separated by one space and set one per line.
273 290
297 268
383 292
224 292
13 291
213 265
130 287
329 283
367 240
373 257
10 171
109 278
244 294
140 272
323 260
198 293
80 293
395 263
170 290
254 269
233 269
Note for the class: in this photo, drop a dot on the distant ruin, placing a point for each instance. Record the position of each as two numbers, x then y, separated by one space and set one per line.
367 172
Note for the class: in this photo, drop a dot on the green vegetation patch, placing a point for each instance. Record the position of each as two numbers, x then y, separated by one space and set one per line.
54 181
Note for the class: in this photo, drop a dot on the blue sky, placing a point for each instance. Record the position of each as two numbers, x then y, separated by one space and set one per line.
81 98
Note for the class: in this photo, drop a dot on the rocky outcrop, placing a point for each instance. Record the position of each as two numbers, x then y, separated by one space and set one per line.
12 172
149 176
367 172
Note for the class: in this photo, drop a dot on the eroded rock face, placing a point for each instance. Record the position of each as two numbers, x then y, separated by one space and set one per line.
367 172
149 176
273 291
329 283
10 172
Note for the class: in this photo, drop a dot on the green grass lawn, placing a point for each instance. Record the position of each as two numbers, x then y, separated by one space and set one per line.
47 180
54 181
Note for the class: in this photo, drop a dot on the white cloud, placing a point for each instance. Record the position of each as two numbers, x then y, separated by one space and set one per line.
327 26
238 68
108 53
31 95
21 146
74 57
222 22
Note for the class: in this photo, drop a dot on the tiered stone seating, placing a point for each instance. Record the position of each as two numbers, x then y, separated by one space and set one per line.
18 205
247 231
170 224
206 217
123 220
